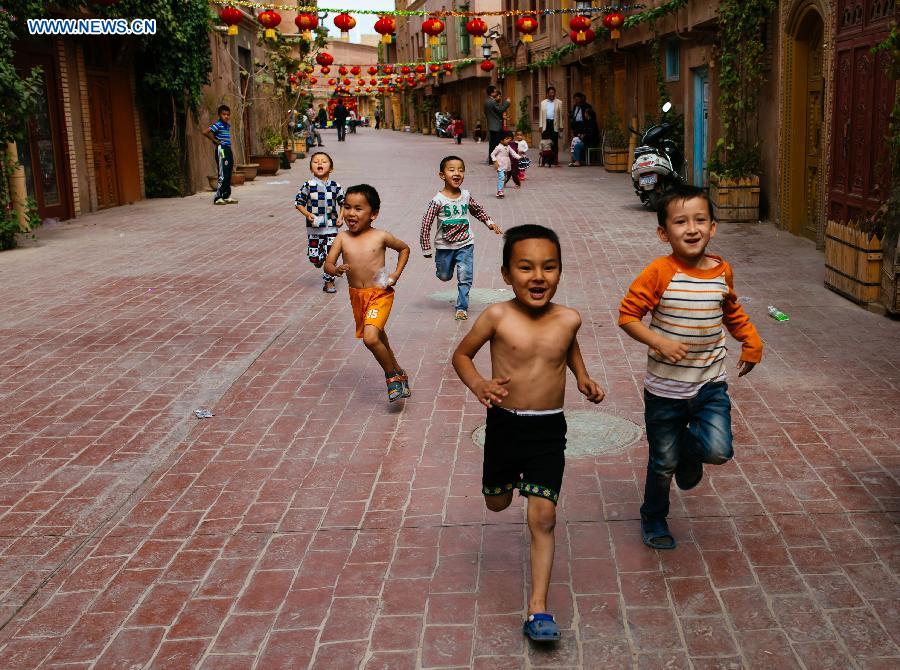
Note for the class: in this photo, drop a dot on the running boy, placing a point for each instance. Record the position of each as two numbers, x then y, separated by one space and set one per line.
362 249
453 238
506 162
320 200
532 342
690 295
219 134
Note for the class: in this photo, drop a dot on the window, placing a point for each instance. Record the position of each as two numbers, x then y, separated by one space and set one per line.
464 45
673 60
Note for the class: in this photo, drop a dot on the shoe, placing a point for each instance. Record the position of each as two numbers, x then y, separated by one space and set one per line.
541 627
461 315
688 473
329 288
656 535
499 194
231 201
220 201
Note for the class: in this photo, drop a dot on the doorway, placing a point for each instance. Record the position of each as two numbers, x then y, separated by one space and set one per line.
103 140
701 126
804 167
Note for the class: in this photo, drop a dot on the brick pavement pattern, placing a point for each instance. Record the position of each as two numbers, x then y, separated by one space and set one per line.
309 524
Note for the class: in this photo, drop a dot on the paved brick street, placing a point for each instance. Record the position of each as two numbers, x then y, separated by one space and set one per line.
308 523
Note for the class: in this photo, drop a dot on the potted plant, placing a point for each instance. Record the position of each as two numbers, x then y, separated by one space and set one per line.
249 170
615 144
268 162
735 164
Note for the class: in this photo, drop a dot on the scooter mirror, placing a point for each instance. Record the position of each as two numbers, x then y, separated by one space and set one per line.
667 107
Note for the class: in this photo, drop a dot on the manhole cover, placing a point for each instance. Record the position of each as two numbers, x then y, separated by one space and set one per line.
484 296
591 434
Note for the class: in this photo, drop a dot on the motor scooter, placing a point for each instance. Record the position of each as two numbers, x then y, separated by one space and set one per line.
658 163
443 125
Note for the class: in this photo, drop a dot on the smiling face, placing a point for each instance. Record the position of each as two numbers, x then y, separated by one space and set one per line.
358 213
454 173
533 272
689 228
320 166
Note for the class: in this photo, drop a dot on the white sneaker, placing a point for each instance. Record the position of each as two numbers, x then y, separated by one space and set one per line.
231 201
220 201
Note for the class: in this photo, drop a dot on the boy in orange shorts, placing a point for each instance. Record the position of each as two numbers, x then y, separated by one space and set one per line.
362 250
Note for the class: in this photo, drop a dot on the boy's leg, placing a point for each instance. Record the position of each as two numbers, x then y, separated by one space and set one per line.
376 341
444 262
465 271
501 180
228 166
709 437
323 254
220 171
541 523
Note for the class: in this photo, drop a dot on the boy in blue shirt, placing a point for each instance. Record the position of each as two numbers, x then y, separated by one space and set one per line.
219 134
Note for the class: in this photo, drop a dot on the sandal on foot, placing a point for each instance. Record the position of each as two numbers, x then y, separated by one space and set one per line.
394 386
656 534
329 289
541 627
404 379
688 472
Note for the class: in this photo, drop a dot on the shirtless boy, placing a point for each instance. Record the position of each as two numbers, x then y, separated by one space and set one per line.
362 250
532 342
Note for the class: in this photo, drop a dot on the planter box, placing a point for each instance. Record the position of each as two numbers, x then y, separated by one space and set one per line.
289 154
268 165
734 200
249 171
615 160
237 179
852 262
890 282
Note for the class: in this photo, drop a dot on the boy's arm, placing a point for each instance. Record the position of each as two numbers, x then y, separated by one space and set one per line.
402 249
331 259
339 203
741 328
512 152
479 213
644 295
301 200
488 391
588 387
209 135
425 232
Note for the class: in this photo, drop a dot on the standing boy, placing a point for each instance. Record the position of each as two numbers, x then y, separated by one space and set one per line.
453 238
320 200
506 162
690 295
532 342
219 134
362 249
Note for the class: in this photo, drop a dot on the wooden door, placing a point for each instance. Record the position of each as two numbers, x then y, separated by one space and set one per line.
814 113
103 141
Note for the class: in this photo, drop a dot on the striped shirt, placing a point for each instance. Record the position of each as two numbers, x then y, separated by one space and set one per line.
222 132
694 307
452 216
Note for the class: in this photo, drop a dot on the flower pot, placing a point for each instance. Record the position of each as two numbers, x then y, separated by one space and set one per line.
734 200
853 260
249 171
237 178
615 160
289 154
268 165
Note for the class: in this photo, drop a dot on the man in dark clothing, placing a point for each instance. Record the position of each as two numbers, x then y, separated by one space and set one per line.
583 120
322 117
493 110
340 120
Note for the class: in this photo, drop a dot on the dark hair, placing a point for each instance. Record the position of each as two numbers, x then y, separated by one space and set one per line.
447 159
321 153
529 231
490 89
580 95
547 135
368 192
680 194
223 108
507 133
551 88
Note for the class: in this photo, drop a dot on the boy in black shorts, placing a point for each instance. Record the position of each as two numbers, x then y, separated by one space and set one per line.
532 342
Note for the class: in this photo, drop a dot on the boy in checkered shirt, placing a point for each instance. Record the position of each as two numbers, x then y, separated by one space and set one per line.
320 200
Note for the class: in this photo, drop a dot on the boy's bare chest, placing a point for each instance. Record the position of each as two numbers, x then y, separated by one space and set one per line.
521 339
363 250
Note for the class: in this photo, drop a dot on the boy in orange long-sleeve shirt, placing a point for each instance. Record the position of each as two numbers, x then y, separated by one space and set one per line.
691 297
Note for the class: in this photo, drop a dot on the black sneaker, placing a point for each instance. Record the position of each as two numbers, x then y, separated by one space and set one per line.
688 473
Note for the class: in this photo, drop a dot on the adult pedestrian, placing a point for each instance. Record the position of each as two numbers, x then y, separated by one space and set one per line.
322 116
340 120
583 120
352 116
313 136
551 121
377 118
493 110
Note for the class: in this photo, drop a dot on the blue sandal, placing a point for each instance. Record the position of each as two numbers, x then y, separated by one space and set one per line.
394 386
404 379
541 627
656 534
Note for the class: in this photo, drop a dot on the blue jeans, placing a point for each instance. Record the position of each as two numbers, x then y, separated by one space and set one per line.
697 428
578 153
463 260
501 179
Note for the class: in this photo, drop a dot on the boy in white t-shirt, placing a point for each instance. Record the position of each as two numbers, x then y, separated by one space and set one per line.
453 239
522 149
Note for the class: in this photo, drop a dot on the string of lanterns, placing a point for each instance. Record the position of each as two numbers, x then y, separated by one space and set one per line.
581 7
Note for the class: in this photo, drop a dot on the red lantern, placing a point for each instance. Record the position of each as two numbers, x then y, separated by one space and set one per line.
582 38
231 17
372 70
612 22
368 89
325 69
324 58
388 69
269 19
385 80
384 27
579 24
405 69
420 68
477 28
433 27
345 23
448 67
373 82
357 89
313 81
527 25
342 70
355 70
434 69
346 81
306 23
487 65
332 81
411 81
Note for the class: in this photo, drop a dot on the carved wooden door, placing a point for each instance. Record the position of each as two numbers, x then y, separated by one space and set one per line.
103 141
863 100
815 85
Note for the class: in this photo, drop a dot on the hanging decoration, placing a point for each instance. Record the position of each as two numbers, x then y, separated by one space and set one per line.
448 67
527 25
355 70
435 69
324 58
270 20
579 8
433 27
613 22
420 68
386 26
306 23
487 65
582 37
325 69
372 70
477 28
231 17
342 70
345 23
579 24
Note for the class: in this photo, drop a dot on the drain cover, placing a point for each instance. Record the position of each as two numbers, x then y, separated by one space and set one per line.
591 434
485 296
